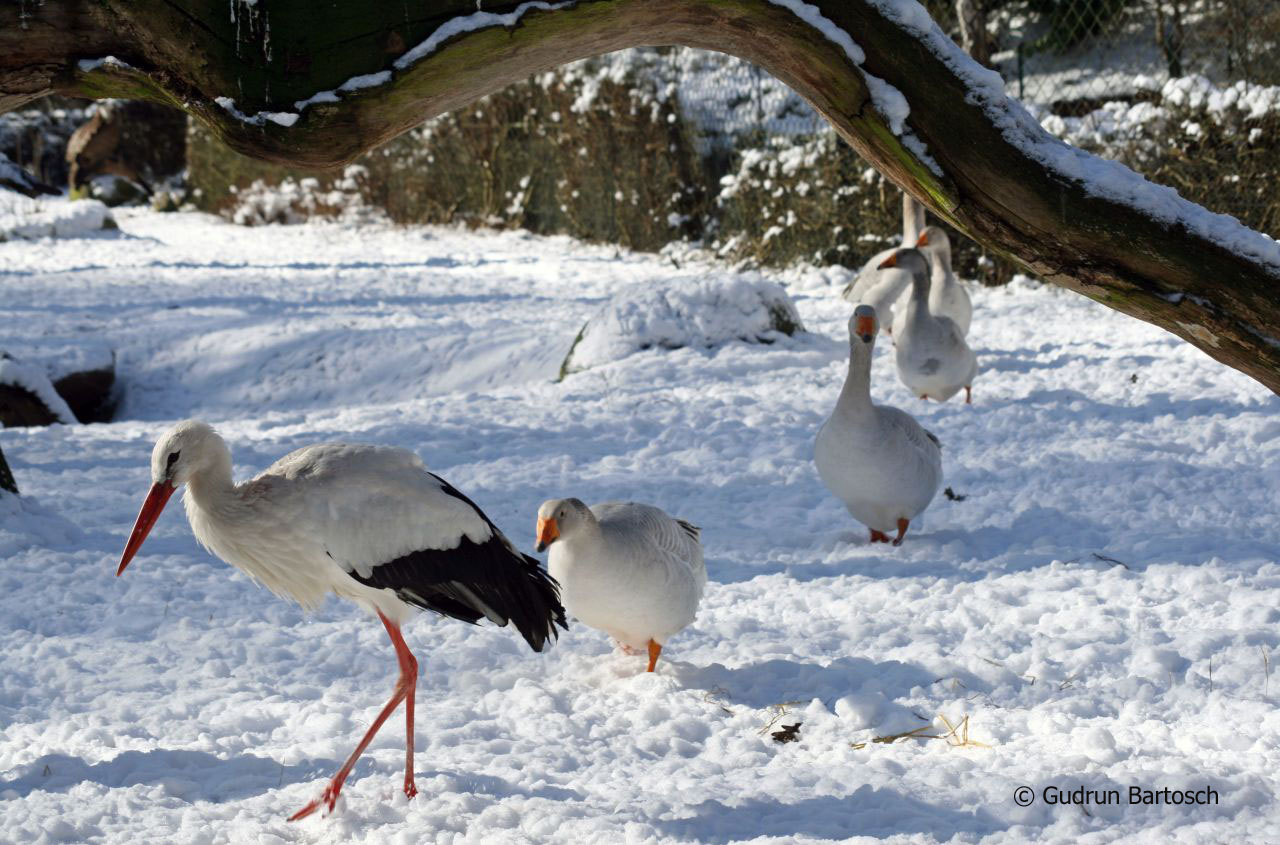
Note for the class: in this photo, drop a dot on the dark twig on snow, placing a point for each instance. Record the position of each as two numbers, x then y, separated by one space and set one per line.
1110 560
789 733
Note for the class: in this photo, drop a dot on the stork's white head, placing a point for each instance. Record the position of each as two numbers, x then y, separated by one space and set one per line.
559 518
186 450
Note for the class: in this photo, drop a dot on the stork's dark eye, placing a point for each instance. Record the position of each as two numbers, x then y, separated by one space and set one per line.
173 459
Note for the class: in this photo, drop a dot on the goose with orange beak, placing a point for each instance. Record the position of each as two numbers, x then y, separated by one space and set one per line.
624 568
879 287
932 357
876 459
947 294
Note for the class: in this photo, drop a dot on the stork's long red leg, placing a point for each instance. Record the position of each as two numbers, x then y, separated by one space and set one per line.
404 691
408 665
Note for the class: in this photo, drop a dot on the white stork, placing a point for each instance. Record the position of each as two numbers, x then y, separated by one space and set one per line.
368 523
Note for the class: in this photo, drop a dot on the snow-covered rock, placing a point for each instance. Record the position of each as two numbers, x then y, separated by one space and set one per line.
31 379
22 218
704 313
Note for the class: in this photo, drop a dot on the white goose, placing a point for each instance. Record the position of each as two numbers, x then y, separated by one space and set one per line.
933 359
876 459
947 294
881 288
624 568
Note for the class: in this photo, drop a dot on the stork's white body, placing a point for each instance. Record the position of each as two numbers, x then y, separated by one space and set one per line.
367 523
317 515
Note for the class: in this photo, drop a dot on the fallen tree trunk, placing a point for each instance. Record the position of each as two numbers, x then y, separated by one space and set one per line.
317 84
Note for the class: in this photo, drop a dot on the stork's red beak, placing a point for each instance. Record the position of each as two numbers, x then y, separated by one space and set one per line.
548 532
891 261
151 507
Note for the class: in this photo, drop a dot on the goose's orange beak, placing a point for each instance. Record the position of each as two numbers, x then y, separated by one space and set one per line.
865 327
548 533
151 507
924 239
891 261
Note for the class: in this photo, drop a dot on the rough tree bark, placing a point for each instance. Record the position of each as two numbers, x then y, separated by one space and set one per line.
269 54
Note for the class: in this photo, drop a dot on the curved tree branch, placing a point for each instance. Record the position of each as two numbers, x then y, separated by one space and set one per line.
317 84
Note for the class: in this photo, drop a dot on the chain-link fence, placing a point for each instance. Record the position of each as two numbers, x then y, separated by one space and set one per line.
1065 57
1185 91
1070 56
1181 90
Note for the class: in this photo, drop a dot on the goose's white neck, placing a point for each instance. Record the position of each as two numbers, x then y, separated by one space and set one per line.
855 396
586 533
912 219
939 272
920 285
918 306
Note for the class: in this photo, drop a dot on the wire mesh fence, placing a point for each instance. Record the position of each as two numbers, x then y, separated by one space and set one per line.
1185 91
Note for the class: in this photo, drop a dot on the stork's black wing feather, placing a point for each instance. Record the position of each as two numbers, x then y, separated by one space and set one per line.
473 581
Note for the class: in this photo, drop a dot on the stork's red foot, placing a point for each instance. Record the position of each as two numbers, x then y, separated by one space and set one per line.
410 788
968 395
879 536
329 797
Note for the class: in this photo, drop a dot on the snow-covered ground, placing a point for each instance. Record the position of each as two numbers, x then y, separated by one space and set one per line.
1103 606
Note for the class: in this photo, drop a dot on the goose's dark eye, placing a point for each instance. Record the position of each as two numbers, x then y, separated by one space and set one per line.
173 459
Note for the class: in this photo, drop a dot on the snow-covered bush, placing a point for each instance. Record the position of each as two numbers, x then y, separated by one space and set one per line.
593 150
704 313
1218 145
291 201
815 200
